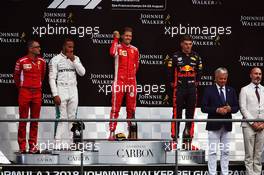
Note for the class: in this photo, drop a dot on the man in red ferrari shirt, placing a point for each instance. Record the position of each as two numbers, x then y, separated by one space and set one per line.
126 59
29 74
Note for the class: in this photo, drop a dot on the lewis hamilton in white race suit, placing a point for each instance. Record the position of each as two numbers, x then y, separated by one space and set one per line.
63 83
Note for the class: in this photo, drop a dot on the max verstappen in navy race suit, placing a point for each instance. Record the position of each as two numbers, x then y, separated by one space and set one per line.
126 65
63 71
29 74
184 72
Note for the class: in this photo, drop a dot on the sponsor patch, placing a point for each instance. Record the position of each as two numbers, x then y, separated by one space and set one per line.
27 66
123 53
193 58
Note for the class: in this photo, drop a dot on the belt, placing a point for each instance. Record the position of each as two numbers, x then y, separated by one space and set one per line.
31 89
188 81
66 84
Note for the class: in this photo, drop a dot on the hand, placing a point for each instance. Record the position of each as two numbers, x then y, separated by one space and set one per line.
228 108
221 111
57 100
257 126
116 34
261 125
70 56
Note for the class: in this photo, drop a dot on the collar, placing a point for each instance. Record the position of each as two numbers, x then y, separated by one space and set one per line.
64 56
126 46
32 59
252 85
190 54
218 87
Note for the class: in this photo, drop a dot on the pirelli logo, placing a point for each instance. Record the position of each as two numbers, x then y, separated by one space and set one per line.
63 4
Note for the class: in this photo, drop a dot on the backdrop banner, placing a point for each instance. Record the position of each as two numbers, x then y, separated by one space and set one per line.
225 34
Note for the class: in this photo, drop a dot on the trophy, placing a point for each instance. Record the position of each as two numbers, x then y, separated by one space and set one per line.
132 129
77 128
120 136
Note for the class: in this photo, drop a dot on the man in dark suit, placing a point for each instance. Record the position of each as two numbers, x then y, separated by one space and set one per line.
219 101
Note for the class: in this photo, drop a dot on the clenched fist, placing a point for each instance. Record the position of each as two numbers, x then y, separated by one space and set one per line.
116 34
57 100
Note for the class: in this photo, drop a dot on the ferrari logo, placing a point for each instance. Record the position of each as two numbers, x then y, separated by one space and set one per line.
38 64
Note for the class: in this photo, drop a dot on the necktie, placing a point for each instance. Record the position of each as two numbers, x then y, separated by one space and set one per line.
222 96
257 93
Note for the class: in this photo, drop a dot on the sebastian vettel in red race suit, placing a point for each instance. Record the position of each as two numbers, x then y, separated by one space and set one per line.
126 58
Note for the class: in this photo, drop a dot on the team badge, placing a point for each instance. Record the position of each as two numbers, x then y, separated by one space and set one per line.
131 94
123 53
38 64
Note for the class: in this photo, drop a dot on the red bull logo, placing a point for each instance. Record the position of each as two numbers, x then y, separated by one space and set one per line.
186 68
186 71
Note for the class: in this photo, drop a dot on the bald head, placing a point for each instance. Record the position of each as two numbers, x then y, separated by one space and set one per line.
256 75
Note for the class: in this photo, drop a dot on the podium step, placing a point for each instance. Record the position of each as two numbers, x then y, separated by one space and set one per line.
74 157
186 157
131 152
115 153
37 159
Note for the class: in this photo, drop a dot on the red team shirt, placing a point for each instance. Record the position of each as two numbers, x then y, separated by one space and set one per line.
30 72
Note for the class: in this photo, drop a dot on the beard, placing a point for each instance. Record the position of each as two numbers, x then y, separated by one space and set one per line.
257 80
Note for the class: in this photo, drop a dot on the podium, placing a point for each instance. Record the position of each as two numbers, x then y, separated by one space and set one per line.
140 152
37 159
186 157
131 152
74 157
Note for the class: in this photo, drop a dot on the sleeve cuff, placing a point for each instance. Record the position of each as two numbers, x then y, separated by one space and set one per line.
76 61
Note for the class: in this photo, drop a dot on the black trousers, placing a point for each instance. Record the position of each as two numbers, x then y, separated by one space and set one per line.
184 98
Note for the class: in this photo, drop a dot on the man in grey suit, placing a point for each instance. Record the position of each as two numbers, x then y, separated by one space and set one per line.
251 101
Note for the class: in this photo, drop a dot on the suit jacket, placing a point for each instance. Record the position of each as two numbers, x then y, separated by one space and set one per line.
248 102
211 101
